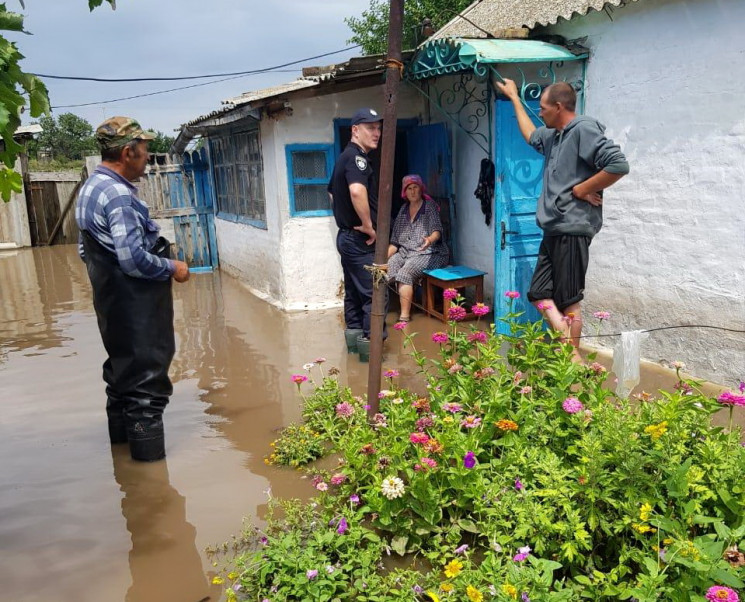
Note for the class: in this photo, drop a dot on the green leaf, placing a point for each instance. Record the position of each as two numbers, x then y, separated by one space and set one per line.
725 577
398 544
10 182
10 21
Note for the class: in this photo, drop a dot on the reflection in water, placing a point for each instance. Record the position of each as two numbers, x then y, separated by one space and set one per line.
164 561
35 286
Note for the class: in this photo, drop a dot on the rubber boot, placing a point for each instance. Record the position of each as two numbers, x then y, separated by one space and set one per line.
117 429
146 443
363 347
351 335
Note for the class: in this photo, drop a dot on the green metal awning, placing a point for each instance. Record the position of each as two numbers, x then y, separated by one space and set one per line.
454 55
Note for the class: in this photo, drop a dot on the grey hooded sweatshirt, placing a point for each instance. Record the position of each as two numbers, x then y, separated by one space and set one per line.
573 154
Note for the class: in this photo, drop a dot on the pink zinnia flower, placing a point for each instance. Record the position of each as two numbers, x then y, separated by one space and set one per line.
512 295
399 325
391 373
720 593
478 336
424 423
322 486
298 379
469 460
572 405
602 315
597 368
484 372
470 422
440 337
455 368
517 377
730 399
344 409
456 313
452 407
450 293
338 478
522 554
320 360
480 309
421 438
526 390
429 462
544 306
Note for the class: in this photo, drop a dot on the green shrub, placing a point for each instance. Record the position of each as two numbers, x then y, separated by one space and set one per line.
519 476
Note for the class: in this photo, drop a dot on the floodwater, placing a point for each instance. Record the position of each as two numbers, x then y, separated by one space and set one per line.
80 521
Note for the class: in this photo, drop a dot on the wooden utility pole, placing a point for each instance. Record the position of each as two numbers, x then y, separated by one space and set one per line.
393 72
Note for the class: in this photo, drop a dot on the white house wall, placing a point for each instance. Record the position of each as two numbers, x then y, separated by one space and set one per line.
667 78
250 253
294 263
474 240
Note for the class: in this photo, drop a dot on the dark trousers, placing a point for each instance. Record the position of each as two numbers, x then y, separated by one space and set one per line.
135 318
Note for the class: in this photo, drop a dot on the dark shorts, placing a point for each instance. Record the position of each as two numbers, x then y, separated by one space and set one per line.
560 271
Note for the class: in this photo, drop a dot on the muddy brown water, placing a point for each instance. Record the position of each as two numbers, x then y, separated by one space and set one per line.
80 521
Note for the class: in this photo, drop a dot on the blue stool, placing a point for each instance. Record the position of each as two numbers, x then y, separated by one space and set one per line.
458 277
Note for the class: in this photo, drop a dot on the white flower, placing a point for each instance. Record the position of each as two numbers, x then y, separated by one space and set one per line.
397 400
308 366
392 487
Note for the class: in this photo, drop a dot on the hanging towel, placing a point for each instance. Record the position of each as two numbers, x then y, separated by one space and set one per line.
485 188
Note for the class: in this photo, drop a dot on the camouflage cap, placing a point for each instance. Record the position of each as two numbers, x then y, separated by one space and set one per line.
118 131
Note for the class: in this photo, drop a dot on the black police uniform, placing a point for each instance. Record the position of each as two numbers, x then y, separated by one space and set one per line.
353 167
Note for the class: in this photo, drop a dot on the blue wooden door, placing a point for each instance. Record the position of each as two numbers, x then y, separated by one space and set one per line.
428 154
519 174
195 228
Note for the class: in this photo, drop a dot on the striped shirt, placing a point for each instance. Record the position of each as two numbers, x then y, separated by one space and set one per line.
109 210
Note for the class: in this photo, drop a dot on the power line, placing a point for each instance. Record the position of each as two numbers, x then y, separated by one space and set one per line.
216 81
187 77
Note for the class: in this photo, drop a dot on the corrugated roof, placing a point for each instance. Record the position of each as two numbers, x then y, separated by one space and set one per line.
249 97
496 15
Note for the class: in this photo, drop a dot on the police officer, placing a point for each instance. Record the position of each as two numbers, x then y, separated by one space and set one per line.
354 197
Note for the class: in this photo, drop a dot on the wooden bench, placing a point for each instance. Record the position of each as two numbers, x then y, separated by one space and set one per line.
458 277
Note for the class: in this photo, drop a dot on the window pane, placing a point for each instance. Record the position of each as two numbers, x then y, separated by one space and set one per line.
309 164
311 197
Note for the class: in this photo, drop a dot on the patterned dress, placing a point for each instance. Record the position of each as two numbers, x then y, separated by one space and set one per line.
407 263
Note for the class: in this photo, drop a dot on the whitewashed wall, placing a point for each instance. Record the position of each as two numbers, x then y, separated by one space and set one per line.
668 79
294 263
474 240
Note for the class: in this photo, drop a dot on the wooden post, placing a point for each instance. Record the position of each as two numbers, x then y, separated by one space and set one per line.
394 69
66 208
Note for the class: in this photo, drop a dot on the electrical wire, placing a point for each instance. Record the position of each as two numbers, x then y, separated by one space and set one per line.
103 102
187 77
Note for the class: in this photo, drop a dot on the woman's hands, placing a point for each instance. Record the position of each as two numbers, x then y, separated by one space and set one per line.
426 242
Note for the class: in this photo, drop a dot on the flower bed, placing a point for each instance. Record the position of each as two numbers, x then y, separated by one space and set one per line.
518 477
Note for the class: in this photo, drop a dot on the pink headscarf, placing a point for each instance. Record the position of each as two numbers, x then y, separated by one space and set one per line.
414 179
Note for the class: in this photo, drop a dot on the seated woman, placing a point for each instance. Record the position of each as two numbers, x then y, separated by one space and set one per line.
416 242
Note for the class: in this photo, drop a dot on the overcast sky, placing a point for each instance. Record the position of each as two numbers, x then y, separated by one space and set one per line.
166 38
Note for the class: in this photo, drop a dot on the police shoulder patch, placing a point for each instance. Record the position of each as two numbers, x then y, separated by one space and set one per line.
361 162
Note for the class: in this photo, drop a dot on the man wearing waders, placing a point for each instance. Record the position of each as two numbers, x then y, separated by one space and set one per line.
580 162
130 272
